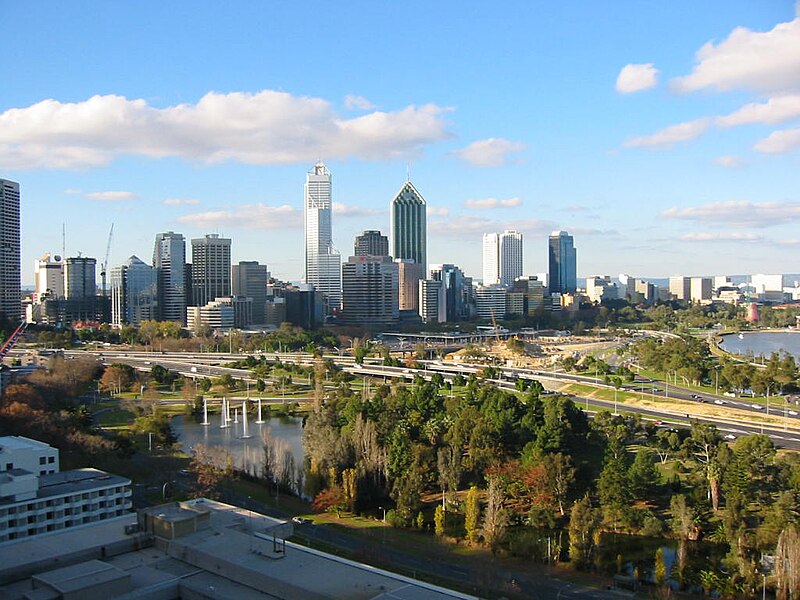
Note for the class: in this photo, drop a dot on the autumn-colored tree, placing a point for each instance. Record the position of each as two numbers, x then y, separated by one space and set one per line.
350 488
330 500
116 379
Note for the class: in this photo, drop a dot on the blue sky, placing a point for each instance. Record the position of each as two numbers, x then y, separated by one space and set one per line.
664 136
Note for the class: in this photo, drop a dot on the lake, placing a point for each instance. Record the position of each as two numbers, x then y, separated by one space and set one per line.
248 454
763 343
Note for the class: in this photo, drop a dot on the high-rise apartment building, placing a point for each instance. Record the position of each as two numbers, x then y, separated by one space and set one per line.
370 290
10 305
457 291
80 278
323 262
169 258
410 274
48 274
408 225
680 287
432 301
211 268
371 243
249 279
502 257
134 293
562 263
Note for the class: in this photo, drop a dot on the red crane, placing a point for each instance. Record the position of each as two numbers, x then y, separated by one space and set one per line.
9 343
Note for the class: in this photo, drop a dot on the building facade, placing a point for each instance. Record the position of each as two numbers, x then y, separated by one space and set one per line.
409 225
169 258
680 287
10 268
563 264
502 257
432 301
134 293
249 279
323 262
48 275
409 275
211 268
370 293
371 243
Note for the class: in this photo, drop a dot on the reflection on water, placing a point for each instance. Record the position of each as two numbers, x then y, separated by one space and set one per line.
248 454
763 343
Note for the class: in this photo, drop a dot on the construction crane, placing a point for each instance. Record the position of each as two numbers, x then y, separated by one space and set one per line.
104 266
9 343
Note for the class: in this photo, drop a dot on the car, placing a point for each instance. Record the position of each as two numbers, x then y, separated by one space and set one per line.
701 400
300 520
658 422
720 402
793 413
756 406
730 436
695 396
655 390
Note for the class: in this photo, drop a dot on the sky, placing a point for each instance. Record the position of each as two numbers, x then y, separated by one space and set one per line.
665 136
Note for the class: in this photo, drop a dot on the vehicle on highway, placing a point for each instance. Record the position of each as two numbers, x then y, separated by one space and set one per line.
301 520
793 413
720 402
730 436
756 406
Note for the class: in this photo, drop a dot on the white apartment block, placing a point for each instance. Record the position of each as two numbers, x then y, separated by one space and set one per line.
35 498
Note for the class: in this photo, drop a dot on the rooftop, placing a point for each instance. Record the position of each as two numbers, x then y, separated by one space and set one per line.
72 482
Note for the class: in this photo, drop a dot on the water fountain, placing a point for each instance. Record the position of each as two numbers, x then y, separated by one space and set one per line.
245 433
205 412
259 420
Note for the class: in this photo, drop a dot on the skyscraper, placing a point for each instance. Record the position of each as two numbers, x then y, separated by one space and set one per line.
169 257
211 268
323 262
249 279
134 293
502 257
563 263
371 243
370 290
10 305
409 233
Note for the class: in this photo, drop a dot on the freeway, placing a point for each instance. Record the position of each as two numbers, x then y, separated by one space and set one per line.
211 365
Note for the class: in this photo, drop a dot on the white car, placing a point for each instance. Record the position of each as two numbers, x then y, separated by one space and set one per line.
730 436
720 402
793 413
756 406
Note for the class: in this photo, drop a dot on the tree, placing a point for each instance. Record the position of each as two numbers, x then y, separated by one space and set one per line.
787 564
117 378
438 520
684 526
643 475
495 518
583 527
472 514
350 488
660 567
612 485
330 500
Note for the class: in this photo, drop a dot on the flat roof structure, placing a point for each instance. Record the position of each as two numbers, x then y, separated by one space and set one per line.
195 549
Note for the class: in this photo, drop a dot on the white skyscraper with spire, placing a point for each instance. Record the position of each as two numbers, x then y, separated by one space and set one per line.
323 262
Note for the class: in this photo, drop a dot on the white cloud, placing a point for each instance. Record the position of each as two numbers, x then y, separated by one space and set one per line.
779 142
761 61
345 210
267 127
352 102
773 112
730 162
111 196
669 136
721 236
460 226
739 213
440 211
181 201
248 216
483 203
491 152
636 78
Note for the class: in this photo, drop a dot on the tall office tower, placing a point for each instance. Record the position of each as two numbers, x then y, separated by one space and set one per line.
457 291
410 274
681 287
169 258
211 268
80 274
249 279
323 262
10 283
432 301
370 291
563 264
48 273
502 257
134 293
371 243
409 233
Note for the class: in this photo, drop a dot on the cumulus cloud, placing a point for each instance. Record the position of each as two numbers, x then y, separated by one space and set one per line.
345 210
762 61
739 213
181 201
773 112
779 142
491 152
484 203
261 128
434 211
636 78
111 196
721 236
248 216
730 162
352 102
669 136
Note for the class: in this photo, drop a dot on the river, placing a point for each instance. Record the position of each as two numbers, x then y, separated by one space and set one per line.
763 343
248 454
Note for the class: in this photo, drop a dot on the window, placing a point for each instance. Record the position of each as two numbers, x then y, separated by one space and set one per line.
51 459
42 460
9 466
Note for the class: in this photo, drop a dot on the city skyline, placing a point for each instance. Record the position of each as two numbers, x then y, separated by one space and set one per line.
682 162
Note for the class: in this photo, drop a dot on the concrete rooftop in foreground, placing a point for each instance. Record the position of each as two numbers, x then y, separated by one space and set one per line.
234 553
